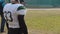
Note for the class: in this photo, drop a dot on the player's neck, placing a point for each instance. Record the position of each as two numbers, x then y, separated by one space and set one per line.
15 3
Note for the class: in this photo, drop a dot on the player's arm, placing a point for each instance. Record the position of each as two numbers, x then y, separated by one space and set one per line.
21 14
22 24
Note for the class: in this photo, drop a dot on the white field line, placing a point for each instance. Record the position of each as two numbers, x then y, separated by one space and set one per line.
43 9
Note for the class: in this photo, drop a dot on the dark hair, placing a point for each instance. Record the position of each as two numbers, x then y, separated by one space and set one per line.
16 0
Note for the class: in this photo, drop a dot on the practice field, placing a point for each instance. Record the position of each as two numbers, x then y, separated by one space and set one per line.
43 21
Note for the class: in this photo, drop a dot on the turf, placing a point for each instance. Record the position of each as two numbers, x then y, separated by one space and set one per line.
48 20
43 20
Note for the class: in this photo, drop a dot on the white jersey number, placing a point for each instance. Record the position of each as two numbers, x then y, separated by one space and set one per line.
8 16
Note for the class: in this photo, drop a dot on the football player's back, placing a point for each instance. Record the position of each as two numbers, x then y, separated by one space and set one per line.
11 11
14 15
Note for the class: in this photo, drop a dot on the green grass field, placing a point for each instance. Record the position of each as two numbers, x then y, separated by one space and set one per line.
43 21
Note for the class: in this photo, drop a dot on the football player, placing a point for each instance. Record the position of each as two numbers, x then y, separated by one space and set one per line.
14 13
2 3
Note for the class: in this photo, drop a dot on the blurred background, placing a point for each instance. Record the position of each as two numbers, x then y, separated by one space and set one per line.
41 3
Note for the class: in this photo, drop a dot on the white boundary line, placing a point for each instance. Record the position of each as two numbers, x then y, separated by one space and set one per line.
43 9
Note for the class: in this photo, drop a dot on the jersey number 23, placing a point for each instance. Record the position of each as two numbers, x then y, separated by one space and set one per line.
8 16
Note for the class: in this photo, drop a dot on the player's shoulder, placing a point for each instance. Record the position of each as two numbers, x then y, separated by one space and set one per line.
7 4
20 7
20 4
